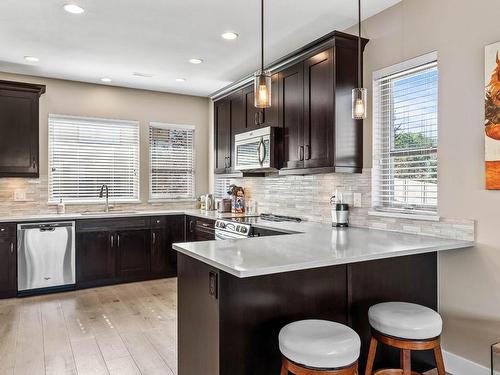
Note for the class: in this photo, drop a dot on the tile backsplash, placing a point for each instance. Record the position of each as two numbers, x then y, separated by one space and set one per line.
308 197
29 196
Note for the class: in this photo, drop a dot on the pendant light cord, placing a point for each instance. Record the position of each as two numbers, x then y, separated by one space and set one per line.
262 35
359 44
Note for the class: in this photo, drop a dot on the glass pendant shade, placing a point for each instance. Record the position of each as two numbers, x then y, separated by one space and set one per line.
262 89
359 101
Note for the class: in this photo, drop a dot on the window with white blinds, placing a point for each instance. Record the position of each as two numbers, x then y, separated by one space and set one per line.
405 162
172 161
85 153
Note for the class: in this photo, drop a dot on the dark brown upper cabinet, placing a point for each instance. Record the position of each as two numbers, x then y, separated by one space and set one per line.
222 139
291 108
19 119
311 101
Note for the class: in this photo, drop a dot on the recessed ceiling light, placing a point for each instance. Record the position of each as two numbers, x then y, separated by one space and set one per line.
195 61
180 79
73 8
31 58
229 35
106 79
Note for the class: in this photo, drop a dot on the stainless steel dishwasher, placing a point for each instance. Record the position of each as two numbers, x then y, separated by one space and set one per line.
45 256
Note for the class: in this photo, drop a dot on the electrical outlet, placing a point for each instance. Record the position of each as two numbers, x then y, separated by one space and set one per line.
357 200
20 195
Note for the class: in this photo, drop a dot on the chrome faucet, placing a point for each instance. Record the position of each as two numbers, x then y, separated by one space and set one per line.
101 194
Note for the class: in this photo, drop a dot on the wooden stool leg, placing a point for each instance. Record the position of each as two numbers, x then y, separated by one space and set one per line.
371 356
439 360
284 367
406 362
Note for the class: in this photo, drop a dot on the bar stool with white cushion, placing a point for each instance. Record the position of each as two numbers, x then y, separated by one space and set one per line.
319 347
406 326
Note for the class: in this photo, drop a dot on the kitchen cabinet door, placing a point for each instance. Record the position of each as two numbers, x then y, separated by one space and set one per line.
254 116
175 232
8 265
133 248
96 256
318 110
199 229
19 112
163 256
222 125
291 95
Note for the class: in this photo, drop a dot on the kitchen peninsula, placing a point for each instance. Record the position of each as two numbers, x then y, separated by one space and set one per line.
235 295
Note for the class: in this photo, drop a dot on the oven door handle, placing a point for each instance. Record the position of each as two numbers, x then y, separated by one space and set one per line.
262 151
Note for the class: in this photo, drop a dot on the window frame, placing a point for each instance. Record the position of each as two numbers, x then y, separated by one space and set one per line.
97 200
416 212
163 125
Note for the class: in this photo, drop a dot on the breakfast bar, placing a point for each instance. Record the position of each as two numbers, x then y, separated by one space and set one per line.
235 295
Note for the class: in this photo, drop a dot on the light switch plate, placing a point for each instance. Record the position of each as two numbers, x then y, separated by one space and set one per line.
357 200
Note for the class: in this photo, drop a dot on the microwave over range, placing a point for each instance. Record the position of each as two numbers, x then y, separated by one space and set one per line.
258 150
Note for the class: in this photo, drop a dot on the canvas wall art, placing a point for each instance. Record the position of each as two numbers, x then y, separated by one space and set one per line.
492 116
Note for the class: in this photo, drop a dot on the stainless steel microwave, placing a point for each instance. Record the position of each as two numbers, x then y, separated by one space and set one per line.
258 150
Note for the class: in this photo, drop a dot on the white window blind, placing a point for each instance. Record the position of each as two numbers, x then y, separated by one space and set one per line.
85 153
172 161
405 163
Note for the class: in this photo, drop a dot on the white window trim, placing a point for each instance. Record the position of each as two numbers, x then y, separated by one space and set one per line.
164 125
97 201
381 73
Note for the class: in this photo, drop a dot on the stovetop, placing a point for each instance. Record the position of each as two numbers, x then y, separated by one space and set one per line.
241 226
265 217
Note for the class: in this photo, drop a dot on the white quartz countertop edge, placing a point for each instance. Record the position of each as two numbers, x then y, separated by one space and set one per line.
452 245
111 215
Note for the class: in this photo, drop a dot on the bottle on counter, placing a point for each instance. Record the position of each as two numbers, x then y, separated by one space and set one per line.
61 207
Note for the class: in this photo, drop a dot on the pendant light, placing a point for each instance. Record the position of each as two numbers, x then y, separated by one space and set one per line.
262 82
359 94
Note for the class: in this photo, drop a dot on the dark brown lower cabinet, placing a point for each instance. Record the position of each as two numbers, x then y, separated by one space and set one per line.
118 250
96 257
133 249
168 230
229 325
8 267
199 229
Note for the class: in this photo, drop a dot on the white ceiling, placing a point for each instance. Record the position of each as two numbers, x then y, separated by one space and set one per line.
115 38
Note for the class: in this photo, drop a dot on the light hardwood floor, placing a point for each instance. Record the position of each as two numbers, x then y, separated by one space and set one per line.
124 329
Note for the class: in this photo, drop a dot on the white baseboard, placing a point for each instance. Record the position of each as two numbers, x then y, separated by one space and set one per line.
460 366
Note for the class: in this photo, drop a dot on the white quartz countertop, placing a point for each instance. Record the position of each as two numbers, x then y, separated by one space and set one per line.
309 245
112 214
313 245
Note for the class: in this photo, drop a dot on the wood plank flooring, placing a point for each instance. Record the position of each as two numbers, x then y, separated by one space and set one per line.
117 330
124 329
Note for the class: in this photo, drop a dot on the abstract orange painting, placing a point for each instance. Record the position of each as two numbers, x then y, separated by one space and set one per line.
492 116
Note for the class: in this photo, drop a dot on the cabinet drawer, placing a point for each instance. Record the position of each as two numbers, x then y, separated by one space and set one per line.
158 221
112 224
7 230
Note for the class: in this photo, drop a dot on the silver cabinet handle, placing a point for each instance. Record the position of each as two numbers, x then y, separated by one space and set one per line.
11 247
112 239
308 152
2 229
118 240
262 151
301 153
154 238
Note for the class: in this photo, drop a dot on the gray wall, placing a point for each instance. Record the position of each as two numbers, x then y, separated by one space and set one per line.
458 30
